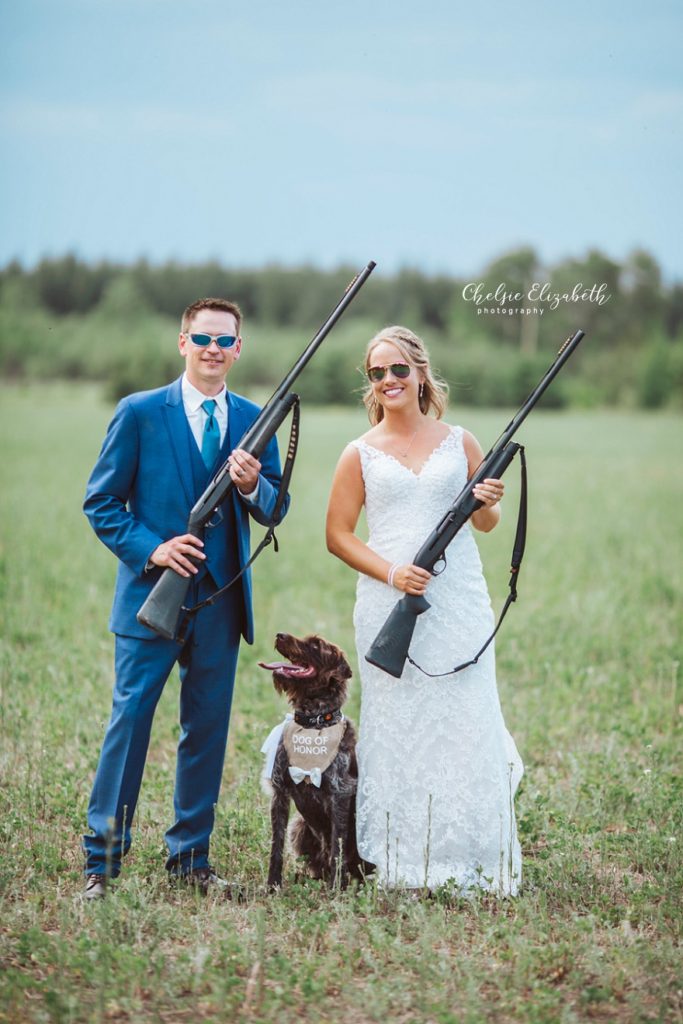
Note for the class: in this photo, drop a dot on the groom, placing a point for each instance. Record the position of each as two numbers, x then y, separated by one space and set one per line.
160 452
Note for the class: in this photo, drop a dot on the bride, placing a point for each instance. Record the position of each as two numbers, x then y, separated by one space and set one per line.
438 769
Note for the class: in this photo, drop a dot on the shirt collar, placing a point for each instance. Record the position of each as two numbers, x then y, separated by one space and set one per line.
192 398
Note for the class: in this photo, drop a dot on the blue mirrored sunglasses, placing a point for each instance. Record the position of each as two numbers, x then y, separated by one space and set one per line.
222 340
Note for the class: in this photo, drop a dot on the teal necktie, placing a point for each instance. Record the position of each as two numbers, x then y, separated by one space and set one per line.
211 438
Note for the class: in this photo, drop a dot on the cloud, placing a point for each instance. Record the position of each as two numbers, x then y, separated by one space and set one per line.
78 121
660 105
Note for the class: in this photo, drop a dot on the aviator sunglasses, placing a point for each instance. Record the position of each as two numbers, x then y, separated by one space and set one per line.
378 373
222 340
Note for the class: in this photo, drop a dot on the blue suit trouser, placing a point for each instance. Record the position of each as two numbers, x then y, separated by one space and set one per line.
208 659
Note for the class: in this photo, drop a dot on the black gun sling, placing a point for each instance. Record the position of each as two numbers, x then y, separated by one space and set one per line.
270 532
516 561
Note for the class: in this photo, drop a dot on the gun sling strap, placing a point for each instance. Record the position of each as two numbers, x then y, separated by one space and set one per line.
270 532
517 556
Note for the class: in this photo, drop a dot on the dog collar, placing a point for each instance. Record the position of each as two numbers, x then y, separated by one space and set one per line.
318 721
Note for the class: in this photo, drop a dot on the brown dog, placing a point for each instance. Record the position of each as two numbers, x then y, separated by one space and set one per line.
315 762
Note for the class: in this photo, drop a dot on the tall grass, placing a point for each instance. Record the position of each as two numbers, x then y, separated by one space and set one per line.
589 677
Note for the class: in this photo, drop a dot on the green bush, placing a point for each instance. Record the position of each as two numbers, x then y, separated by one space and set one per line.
660 381
491 375
123 342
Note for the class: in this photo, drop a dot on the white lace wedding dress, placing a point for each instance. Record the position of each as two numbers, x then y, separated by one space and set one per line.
438 769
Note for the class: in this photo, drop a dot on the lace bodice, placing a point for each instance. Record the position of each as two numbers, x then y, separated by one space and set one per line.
402 508
437 766
397 497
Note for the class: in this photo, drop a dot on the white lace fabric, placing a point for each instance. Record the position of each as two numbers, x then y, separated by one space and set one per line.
438 769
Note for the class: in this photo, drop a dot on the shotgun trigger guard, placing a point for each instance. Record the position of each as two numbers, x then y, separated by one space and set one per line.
215 520
442 562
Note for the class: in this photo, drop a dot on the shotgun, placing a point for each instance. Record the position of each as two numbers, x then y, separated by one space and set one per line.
389 649
161 609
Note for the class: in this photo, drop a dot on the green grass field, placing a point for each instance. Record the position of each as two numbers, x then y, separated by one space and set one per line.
589 678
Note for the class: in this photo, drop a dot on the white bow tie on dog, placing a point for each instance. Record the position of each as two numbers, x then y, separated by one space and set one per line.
299 774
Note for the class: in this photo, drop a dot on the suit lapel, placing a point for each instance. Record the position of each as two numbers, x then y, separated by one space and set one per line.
179 434
181 439
236 427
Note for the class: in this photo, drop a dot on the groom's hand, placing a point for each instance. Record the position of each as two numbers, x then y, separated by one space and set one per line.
172 554
411 579
244 470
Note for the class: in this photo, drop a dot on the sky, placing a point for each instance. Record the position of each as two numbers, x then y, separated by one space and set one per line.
435 135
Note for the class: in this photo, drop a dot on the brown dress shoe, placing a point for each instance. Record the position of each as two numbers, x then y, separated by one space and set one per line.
95 887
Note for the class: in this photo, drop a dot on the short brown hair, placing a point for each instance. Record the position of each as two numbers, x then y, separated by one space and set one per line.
225 305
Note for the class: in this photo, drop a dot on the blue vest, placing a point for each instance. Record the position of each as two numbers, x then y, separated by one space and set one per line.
220 539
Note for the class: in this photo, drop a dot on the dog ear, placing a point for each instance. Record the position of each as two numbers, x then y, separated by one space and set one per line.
279 684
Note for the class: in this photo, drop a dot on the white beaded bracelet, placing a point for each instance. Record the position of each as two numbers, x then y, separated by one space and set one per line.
392 571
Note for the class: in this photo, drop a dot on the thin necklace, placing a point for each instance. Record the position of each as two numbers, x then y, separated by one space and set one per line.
405 453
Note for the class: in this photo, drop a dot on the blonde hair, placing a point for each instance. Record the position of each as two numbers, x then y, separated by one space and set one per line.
434 395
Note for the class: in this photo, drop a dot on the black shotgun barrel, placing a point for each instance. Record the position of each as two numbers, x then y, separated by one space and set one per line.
162 609
389 650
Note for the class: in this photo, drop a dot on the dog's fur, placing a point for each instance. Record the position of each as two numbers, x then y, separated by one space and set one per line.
324 832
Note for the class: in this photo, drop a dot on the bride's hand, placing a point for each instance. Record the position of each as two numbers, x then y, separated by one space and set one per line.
411 579
489 492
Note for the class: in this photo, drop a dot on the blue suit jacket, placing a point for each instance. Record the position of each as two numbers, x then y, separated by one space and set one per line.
142 489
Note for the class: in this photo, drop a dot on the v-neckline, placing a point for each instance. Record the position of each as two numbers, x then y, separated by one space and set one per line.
426 462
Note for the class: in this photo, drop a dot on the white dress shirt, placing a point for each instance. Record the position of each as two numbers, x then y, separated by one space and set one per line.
197 417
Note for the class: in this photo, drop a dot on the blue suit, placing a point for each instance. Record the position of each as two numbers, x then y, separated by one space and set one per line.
148 476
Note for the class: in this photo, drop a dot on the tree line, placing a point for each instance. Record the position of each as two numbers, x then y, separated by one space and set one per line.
490 334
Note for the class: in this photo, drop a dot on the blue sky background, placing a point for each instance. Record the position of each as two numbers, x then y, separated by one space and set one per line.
434 135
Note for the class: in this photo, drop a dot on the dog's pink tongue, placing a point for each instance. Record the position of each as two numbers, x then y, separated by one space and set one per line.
287 668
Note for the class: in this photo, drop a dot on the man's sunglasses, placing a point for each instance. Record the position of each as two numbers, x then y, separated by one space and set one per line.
222 340
399 370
